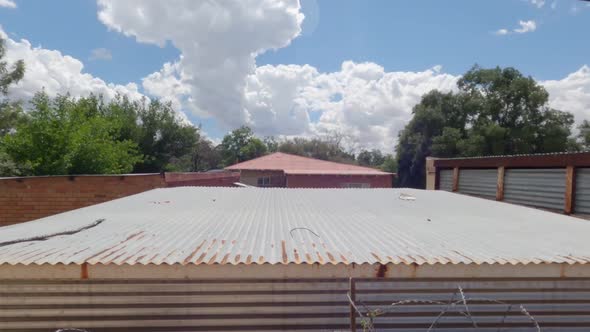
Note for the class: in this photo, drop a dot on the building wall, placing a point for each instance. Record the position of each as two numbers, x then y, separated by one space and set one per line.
338 181
29 198
303 304
24 199
554 181
217 179
277 178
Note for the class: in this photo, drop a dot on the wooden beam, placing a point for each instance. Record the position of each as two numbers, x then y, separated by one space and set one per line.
500 185
576 159
570 183
456 179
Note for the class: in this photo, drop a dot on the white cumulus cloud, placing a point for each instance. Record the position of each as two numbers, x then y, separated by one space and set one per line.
7 4
217 75
525 27
56 73
571 93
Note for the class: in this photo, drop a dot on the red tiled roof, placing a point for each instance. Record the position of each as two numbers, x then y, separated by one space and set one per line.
292 164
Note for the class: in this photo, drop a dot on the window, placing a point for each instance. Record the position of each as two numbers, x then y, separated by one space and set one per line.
264 181
355 185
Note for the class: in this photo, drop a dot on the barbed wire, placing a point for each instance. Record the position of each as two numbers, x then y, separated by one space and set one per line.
368 317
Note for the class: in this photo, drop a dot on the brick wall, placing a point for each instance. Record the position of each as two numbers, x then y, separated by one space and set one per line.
29 198
336 181
217 179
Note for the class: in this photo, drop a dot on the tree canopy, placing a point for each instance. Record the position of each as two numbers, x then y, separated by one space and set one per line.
495 111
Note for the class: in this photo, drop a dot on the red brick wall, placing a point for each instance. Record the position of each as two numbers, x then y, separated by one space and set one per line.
217 179
24 199
336 181
29 198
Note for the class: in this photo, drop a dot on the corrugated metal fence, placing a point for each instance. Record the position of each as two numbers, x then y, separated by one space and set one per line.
582 197
446 180
480 182
543 187
538 187
282 305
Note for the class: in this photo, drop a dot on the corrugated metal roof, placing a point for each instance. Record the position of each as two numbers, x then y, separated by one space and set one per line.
196 225
519 155
292 164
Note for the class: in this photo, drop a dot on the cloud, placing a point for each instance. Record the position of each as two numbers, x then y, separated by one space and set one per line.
502 32
219 42
525 26
7 4
571 93
57 73
538 3
217 76
100 54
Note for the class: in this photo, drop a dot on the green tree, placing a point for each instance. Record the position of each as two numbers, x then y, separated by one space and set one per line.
496 111
241 145
326 148
10 112
373 158
389 164
69 136
203 156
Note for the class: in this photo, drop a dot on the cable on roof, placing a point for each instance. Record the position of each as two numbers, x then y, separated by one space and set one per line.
305 228
47 237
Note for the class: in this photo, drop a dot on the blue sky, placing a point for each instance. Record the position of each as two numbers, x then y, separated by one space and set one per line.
399 36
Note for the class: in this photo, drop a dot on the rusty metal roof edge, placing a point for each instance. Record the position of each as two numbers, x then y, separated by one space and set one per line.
523 263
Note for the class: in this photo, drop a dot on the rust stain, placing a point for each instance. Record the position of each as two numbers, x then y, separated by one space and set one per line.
237 258
284 251
296 254
194 253
381 271
309 259
414 270
562 273
224 260
170 254
249 259
212 260
113 247
344 259
261 259
320 258
200 259
330 256
84 271
376 256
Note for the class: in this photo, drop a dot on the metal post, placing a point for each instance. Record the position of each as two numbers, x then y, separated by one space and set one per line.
352 292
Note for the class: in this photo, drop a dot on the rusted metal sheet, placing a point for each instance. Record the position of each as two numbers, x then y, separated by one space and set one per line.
296 304
543 187
230 226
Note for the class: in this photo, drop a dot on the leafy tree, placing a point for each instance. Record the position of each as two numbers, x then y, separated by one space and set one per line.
241 145
68 136
389 164
10 112
204 156
496 111
583 138
373 158
327 148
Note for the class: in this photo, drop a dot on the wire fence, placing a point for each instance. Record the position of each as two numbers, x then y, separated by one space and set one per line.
458 302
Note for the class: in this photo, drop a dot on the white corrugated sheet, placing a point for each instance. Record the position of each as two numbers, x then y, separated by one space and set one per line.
198 225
